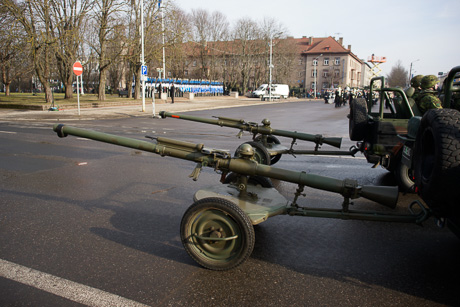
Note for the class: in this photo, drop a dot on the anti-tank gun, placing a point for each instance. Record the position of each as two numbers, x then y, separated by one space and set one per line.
268 148
217 230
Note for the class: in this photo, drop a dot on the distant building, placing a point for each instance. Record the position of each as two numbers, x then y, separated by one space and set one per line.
244 65
333 64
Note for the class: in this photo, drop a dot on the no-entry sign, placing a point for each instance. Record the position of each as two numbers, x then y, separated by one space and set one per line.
77 68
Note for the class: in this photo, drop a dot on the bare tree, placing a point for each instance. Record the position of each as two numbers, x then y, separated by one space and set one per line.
247 46
284 59
14 50
107 15
34 16
69 18
274 32
201 34
397 75
177 26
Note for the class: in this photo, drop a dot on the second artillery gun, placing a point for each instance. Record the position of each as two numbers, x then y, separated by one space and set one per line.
217 229
268 148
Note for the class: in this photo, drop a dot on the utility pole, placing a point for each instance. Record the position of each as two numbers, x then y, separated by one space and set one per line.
315 62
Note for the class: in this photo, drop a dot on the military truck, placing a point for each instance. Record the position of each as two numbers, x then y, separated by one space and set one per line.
375 124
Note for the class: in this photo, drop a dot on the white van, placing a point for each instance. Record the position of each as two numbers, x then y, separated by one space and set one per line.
281 90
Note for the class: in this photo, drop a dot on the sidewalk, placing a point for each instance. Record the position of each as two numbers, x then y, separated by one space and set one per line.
180 105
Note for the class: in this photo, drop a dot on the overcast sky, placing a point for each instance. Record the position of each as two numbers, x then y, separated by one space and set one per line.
405 30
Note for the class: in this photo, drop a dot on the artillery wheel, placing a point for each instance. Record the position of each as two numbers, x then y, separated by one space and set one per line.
261 154
264 182
220 219
437 160
271 140
357 119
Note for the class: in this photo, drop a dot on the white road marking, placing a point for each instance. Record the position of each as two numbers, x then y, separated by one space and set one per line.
8 132
62 287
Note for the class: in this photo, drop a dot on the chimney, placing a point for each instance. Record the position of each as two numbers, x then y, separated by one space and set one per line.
311 40
304 37
349 47
341 41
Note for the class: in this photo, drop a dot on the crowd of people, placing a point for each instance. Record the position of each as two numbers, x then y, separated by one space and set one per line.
424 90
341 97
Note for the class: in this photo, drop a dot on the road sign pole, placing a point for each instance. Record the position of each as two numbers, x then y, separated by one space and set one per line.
78 97
78 70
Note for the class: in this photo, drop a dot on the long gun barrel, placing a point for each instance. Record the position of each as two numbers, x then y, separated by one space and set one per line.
255 128
221 160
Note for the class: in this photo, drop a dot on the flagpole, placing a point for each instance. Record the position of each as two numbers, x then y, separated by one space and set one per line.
142 55
163 32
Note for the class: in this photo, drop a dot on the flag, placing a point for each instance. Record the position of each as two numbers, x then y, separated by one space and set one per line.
159 3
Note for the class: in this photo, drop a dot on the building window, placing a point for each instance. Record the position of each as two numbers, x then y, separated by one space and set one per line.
325 73
336 73
300 74
313 85
315 62
186 73
313 73
300 62
326 61
337 61
194 63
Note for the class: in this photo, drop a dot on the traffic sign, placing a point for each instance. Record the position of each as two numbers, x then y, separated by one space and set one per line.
77 68
144 70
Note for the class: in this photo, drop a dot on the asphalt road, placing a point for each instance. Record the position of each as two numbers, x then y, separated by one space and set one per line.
88 223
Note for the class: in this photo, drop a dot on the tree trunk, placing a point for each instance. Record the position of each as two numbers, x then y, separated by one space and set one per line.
101 92
68 87
137 87
7 89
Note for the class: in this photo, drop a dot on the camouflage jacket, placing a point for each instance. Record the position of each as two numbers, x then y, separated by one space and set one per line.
428 100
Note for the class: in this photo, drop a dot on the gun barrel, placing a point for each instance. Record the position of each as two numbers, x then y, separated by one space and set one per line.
257 129
165 147
195 152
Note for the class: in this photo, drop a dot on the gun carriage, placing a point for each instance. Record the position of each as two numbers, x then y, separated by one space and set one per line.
268 148
217 229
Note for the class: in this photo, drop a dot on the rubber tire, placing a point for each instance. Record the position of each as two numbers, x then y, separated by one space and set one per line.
271 140
357 123
261 154
218 213
437 161
264 182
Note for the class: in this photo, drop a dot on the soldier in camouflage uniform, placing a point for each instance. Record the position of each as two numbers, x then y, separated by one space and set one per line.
428 98
416 82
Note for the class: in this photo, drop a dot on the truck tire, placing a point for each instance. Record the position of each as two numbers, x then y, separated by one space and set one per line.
357 119
437 161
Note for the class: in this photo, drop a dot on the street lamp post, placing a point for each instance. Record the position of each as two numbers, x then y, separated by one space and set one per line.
410 70
270 70
315 62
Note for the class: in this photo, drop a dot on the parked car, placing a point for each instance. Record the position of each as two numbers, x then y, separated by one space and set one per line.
281 90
